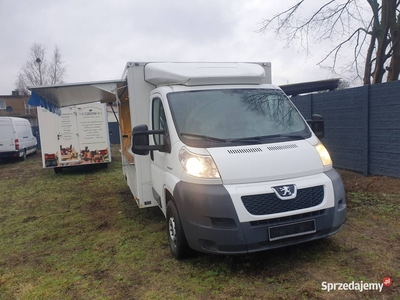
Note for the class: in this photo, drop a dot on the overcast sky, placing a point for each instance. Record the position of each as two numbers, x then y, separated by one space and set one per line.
97 38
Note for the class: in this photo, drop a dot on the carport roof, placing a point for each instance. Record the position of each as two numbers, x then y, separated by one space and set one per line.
309 87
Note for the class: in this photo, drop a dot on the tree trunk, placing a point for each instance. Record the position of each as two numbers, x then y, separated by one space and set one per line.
394 67
381 31
368 62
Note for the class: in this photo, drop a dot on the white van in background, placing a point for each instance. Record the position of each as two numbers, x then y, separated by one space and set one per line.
16 138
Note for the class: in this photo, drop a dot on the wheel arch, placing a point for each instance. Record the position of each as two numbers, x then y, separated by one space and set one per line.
168 188
167 197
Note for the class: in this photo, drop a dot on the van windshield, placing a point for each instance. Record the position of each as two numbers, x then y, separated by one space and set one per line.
214 118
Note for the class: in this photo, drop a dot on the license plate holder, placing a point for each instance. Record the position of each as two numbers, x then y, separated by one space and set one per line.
291 230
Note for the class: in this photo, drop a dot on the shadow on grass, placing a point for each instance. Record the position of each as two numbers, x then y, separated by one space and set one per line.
10 161
269 263
82 169
17 160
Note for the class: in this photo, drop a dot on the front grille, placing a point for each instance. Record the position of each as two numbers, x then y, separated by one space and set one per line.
266 204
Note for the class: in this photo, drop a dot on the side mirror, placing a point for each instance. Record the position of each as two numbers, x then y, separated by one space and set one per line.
140 140
317 125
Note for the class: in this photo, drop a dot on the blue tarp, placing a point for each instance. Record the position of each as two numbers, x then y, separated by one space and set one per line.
36 100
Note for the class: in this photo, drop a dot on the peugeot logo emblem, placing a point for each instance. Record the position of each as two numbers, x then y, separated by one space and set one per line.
285 192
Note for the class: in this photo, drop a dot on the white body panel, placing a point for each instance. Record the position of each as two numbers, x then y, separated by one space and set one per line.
12 129
285 160
242 175
138 174
79 136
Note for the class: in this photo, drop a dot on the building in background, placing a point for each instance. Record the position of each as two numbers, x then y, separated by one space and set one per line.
16 105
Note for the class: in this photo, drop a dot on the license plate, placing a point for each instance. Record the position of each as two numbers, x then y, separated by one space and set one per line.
291 230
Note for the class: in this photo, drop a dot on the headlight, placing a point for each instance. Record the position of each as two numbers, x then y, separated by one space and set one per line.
324 154
198 165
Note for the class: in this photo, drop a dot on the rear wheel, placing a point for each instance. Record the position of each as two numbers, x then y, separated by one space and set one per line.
176 237
23 157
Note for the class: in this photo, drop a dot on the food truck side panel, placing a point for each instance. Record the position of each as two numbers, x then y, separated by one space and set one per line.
79 136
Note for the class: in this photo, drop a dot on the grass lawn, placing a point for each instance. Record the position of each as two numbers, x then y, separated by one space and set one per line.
79 235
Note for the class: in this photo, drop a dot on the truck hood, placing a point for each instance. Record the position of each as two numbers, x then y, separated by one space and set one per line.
266 162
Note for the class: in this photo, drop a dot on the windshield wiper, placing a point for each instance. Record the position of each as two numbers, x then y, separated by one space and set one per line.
260 139
203 137
294 136
254 139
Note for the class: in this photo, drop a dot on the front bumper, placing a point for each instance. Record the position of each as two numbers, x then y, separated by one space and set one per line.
211 222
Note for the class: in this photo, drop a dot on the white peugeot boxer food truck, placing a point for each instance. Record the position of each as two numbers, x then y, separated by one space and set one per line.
226 156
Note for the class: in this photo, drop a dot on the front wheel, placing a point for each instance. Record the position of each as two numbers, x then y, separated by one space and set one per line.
176 237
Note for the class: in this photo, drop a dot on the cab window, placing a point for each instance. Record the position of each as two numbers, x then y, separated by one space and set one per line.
159 121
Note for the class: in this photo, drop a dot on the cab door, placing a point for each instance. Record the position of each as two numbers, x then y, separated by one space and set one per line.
158 159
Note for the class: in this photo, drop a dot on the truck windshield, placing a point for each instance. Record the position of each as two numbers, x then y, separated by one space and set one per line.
214 118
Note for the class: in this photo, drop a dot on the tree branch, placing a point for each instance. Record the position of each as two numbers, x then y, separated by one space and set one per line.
340 45
335 20
290 11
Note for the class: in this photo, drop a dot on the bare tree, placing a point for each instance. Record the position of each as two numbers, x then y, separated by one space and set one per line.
37 70
56 68
371 29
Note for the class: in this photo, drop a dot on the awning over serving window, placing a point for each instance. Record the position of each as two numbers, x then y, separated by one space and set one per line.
52 97
36 100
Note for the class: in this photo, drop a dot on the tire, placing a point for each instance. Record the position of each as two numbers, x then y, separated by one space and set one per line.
57 170
23 157
176 236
